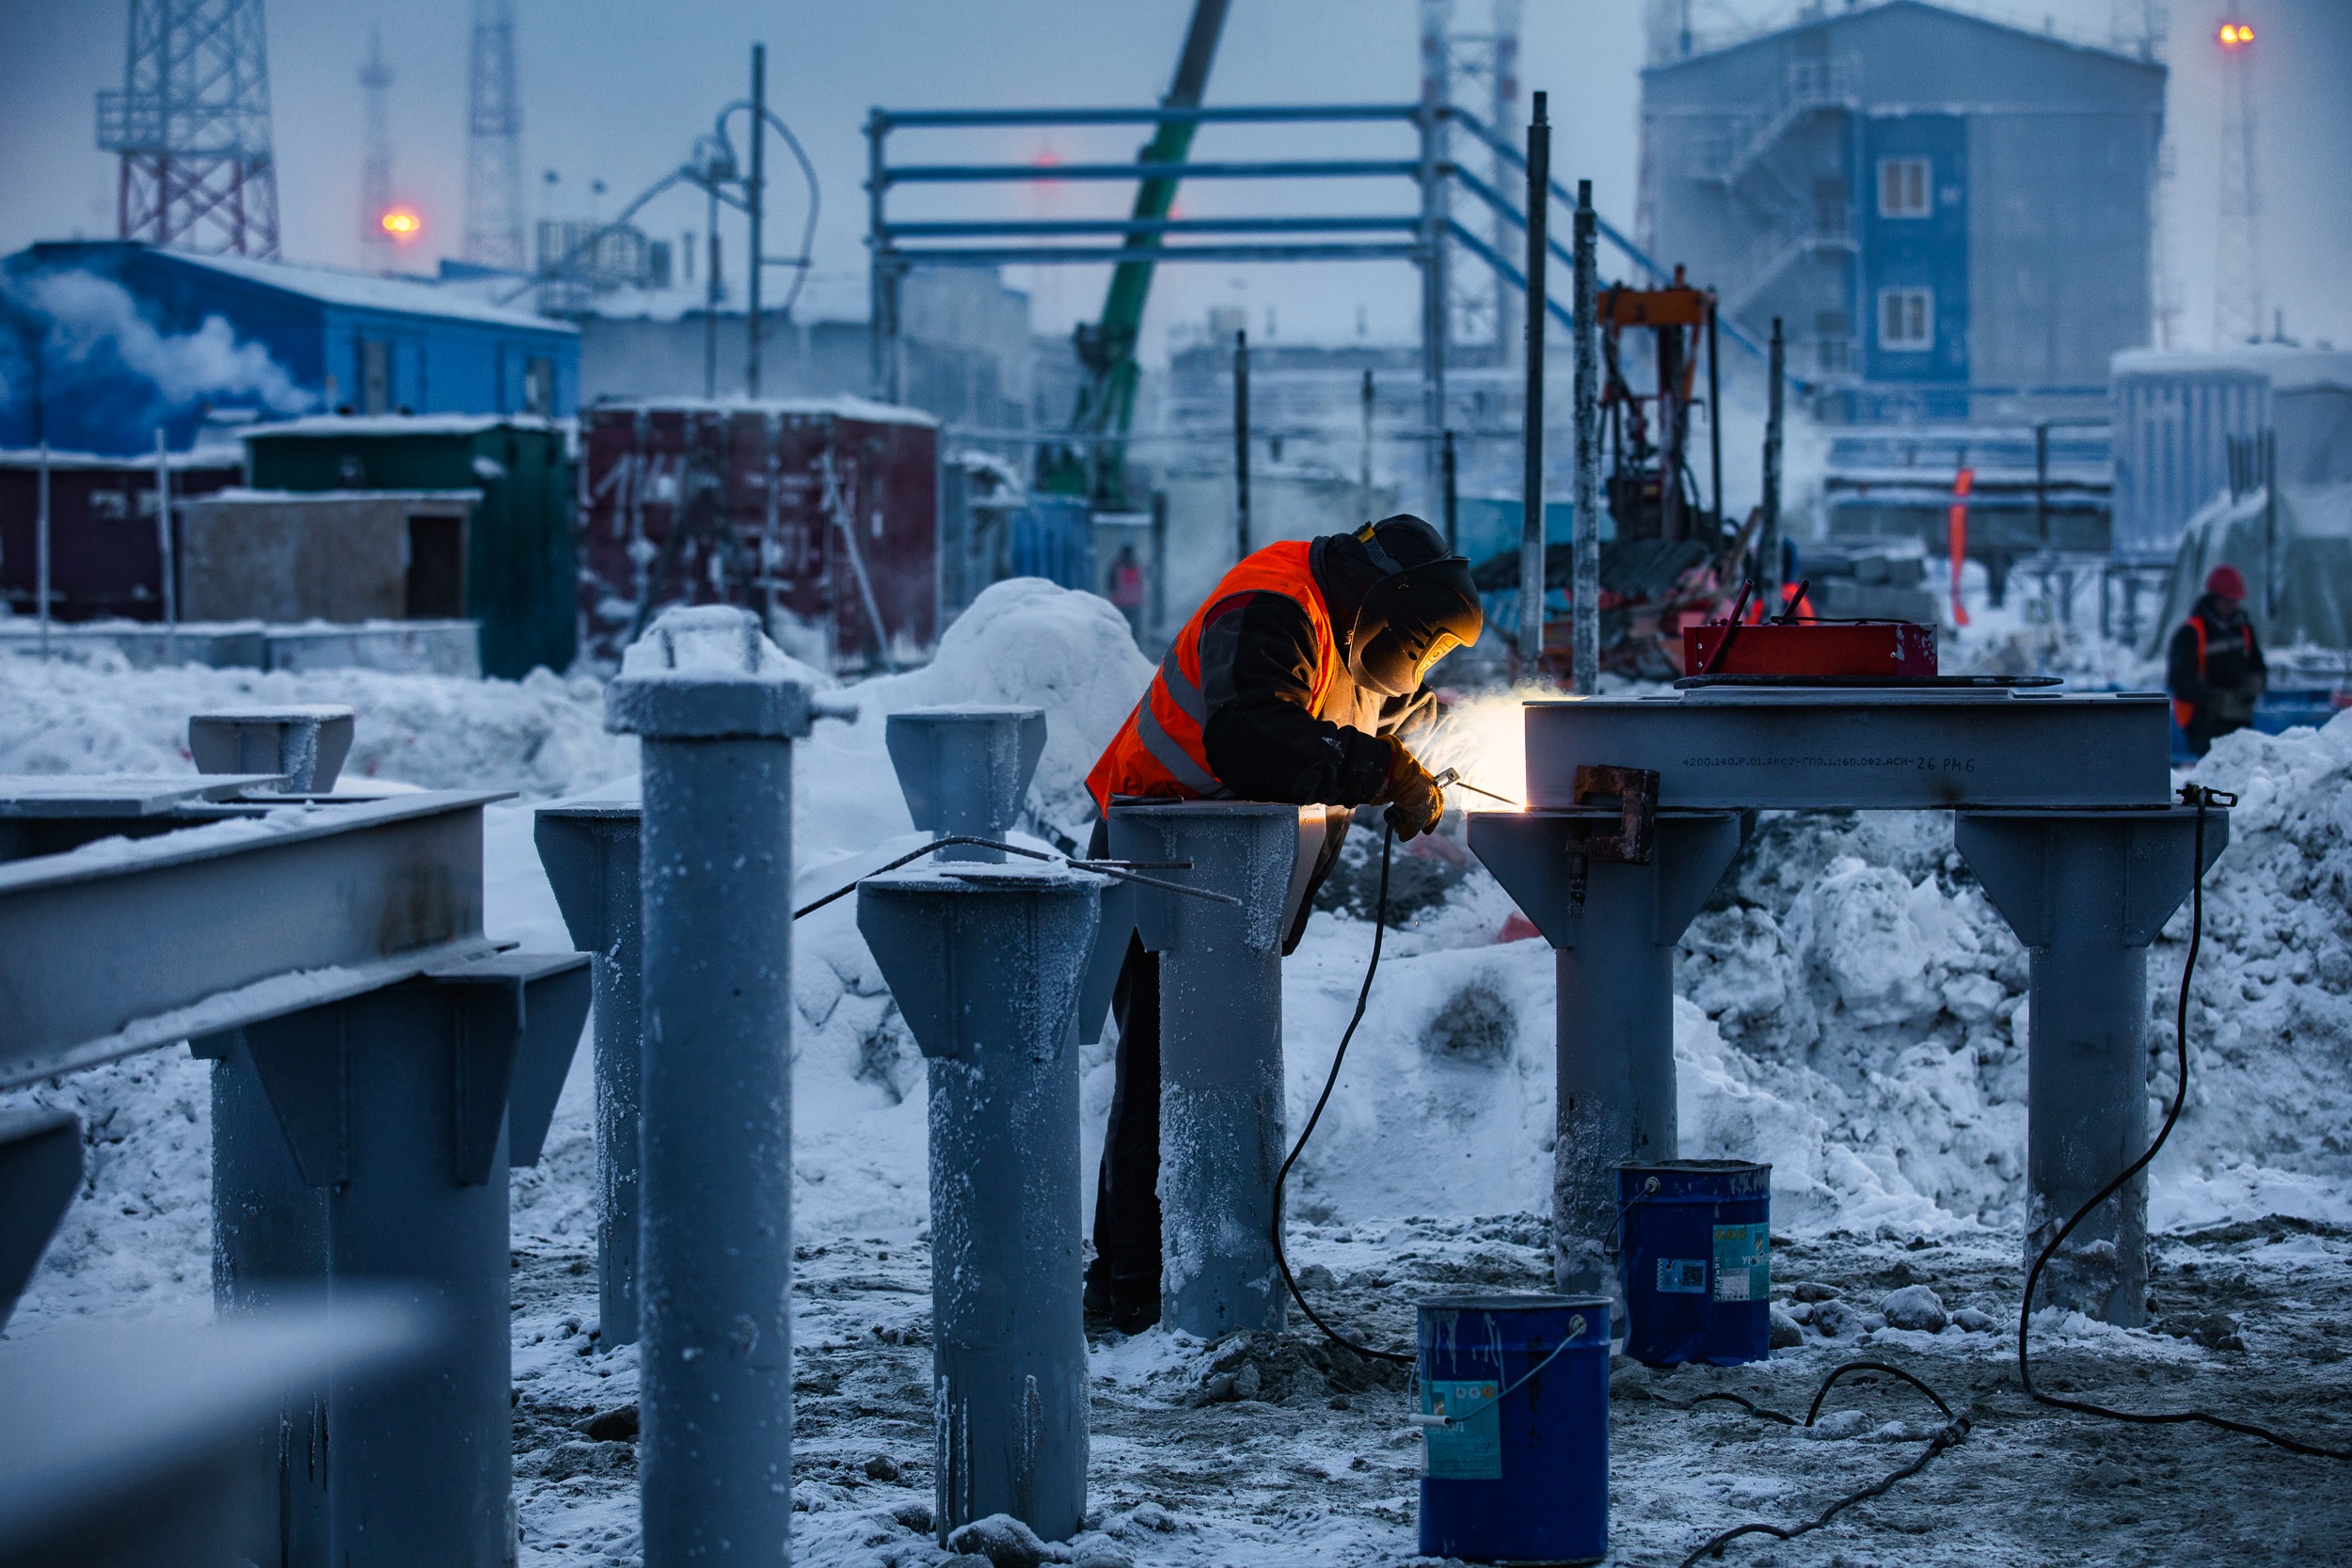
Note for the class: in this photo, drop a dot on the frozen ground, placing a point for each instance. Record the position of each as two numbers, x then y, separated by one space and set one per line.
1849 1009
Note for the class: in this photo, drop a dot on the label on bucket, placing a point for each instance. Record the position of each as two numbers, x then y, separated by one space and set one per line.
1471 1451
1743 1262
1682 1277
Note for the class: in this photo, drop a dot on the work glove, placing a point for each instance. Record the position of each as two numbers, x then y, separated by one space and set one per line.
1414 800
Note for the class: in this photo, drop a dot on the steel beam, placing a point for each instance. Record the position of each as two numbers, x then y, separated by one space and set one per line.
1615 952
1221 1108
1278 168
589 849
1900 749
892 120
40 1170
116 948
43 796
986 966
966 770
1023 227
997 256
305 743
2087 892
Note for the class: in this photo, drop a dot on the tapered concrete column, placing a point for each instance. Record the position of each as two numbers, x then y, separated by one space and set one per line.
965 770
1616 956
2087 892
709 695
589 848
986 966
1221 1112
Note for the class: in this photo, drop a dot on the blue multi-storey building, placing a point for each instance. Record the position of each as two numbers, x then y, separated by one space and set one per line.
1951 216
104 342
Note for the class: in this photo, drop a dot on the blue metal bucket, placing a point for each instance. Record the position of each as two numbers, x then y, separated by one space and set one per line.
1514 1425
1696 1260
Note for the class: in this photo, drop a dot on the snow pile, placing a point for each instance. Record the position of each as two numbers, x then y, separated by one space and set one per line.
543 735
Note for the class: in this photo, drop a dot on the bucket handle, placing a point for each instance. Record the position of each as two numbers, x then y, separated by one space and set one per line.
1609 1238
1576 1327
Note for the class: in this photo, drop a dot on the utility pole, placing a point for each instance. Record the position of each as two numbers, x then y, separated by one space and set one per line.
1241 445
1531 638
754 198
1363 478
1768 536
376 173
1584 594
2237 276
494 142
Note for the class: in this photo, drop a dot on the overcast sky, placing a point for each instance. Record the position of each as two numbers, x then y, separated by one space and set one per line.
618 91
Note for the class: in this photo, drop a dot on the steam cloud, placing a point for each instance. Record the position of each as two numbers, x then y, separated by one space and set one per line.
90 316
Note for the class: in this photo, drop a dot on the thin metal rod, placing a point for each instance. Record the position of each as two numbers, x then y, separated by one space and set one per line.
1116 869
1714 424
1241 445
1014 228
1452 508
1231 114
1002 256
1510 274
1278 168
41 540
755 204
1584 591
163 538
1363 467
1531 637
1768 537
710 307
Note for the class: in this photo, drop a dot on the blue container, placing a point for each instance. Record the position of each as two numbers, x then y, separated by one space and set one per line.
1696 1263
1514 1469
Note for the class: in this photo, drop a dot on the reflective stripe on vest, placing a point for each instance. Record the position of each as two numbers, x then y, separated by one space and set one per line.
1160 751
2184 711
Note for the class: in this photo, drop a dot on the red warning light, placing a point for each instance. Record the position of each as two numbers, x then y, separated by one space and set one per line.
402 224
2235 34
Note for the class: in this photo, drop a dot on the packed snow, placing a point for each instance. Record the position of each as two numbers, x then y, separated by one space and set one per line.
1849 1007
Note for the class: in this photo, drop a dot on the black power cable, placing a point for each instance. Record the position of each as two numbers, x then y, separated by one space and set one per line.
2202 798
1281 1261
1954 1431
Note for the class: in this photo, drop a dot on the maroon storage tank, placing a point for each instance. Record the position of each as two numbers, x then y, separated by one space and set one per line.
105 558
821 515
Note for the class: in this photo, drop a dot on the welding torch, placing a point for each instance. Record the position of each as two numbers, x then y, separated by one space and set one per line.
1452 778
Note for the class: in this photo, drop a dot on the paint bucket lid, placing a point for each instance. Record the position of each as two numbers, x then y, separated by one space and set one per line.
1509 1304
1701 1180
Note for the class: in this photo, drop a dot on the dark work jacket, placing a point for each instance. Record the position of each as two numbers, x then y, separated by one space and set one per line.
1257 679
2232 655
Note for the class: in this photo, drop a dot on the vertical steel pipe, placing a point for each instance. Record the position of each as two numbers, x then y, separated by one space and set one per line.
1221 1112
1584 610
706 693
966 770
589 849
1531 583
1241 445
985 965
2087 892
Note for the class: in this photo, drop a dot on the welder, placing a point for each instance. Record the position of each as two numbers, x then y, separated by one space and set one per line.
1295 681
2214 667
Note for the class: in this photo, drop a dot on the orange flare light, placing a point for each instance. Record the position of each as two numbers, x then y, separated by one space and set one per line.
402 224
2235 34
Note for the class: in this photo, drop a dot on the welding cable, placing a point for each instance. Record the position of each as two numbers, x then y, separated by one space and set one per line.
1380 928
1954 1431
1121 870
2202 798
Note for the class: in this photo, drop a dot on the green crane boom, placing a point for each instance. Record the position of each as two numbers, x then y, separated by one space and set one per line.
1106 349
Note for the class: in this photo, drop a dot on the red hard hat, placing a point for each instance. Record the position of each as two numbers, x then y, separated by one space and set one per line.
2226 582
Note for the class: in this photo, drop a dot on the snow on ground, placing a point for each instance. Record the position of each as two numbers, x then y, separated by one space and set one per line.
1849 1007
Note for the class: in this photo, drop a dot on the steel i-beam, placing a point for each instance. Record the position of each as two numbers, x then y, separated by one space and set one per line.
2087 892
986 967
304 744
589 848
1221 1111
709 696
965 770
1615 948
407 1104
40 1170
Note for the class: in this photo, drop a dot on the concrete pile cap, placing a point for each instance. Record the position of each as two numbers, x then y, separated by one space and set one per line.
708 673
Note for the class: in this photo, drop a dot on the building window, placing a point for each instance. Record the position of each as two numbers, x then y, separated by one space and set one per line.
1904 188
1907 318
539 384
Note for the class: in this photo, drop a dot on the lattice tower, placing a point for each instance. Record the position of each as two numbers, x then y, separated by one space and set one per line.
190 124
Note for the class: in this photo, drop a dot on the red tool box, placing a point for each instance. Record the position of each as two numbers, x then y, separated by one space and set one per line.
1864 649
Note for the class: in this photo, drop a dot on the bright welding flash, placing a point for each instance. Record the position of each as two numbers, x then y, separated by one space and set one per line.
402 224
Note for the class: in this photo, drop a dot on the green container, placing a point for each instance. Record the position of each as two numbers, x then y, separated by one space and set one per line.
521 573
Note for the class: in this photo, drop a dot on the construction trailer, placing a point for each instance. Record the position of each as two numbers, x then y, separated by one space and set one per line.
338 555
820 514
517 569
106 554
105 343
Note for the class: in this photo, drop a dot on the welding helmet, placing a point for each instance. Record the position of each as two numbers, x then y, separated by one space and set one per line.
1422 606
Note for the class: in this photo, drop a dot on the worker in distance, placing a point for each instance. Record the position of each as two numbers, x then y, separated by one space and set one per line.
1291 682
2214 667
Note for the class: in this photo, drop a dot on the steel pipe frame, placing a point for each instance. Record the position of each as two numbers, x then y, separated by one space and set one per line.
2087 893
1221 1086
966 770
590 852
715 1451
986 965
1615 956
2085 881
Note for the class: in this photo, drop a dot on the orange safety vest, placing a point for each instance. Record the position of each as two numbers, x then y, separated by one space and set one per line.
2183 712
1159 750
